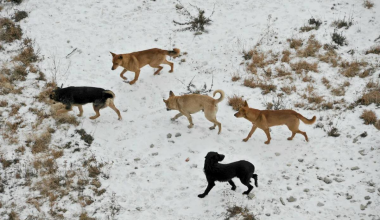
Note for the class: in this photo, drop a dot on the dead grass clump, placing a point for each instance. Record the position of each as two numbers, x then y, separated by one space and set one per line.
370 97
338 91
333 132
352 69
84 216
27 56
236 102
66 119
283 71
261 59
57 153
340 23
235 77
9 31
289 89
313 98
285 56
295 43
3 103
368 4
41 142
373 85
19 15
304 66
19 73
250 82
339 39
314 24
330 56
257 83
311 49
93 171
369 117
374 50
326 82
236 211
377 125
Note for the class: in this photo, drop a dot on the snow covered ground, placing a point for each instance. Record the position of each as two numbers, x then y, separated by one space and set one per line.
147 175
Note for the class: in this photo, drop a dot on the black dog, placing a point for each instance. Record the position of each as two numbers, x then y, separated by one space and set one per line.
78 96
215 171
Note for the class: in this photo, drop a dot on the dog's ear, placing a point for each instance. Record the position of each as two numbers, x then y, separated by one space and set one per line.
171 94
164 100
112 54
221 157
245 104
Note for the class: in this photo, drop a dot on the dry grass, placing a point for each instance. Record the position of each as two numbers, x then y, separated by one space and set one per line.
289 89
373 85
338 91
257 83
313 98
43 96
369 117
368 4
41 142
330 56
3 103
377 125
326 82
9 31
236 102
19 72
311 49
374 50
303 66
285 56
352 69
340 23
283 71
84 216
261 59
236 211
370 97
65 118
295 43
27 56
19 15
235 77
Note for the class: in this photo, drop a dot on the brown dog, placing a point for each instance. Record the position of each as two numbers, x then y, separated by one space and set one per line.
268 118
136 60
190 104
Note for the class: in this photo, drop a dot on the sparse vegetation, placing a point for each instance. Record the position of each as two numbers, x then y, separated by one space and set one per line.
368 4
235 77
338 38
9 31
19 15
195 23
295 43
370 97
236 211
304 67
236 102
369 117
311 49
374 50
340 23
333 132
256 83
351 69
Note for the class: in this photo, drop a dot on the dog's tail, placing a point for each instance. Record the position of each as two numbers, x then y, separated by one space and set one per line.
174 52
108 94
305 120
254 176
221 95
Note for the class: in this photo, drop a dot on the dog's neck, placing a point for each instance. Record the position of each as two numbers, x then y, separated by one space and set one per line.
252 114
209 167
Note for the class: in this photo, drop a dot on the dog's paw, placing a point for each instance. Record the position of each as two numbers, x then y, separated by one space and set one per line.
173 119
212 128
170 71
132 82
266 142
233 188
289 139
245 139
201 195
245 193
190 126
79 115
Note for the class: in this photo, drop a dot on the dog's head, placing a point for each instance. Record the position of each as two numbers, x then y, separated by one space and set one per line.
54 95
117 59
242 113
214 157
171 103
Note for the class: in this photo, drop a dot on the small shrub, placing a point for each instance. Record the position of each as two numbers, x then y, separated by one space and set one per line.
19 73
19 15
315 99
236 102
285 56
369 117
250 82
377 125
368 4
41 142
289 89
326 82
93 171
84 136
264 86
338 91
282 71
276 103
338 38
295 43
27 56
330 56
316 22
372 85
235 77
351 69
9 31
236 211
197 23
17 2
3 103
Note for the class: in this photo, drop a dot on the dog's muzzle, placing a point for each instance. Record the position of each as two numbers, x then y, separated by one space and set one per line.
235 115
168 109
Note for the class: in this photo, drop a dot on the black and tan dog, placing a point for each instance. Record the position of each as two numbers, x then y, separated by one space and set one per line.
192 103
215 171
78 96
136 60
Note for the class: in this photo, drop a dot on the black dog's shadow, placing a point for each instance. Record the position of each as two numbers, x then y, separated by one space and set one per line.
215 171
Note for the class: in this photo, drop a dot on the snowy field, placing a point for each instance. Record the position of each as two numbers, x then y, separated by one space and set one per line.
146 174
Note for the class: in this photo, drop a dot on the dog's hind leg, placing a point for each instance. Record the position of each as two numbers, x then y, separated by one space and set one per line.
210 185
232 184
213 120
96 109
176 116
246 182
137 74
80 110
170 64
254 176
188 116
268 136
112 105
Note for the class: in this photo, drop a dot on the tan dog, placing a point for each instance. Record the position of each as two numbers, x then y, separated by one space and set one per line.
264 119
190 104
136 60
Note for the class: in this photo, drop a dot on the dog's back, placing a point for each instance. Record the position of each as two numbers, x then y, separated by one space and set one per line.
82 95
225 172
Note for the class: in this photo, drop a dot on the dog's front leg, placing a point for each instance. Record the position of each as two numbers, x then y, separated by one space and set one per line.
176 116
250 133
122 74
210 185
232 184
137 74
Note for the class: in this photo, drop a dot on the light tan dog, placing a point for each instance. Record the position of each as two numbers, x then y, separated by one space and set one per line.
190 104
264 119
136 60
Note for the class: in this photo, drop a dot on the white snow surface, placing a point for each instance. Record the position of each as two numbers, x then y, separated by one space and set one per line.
164 185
